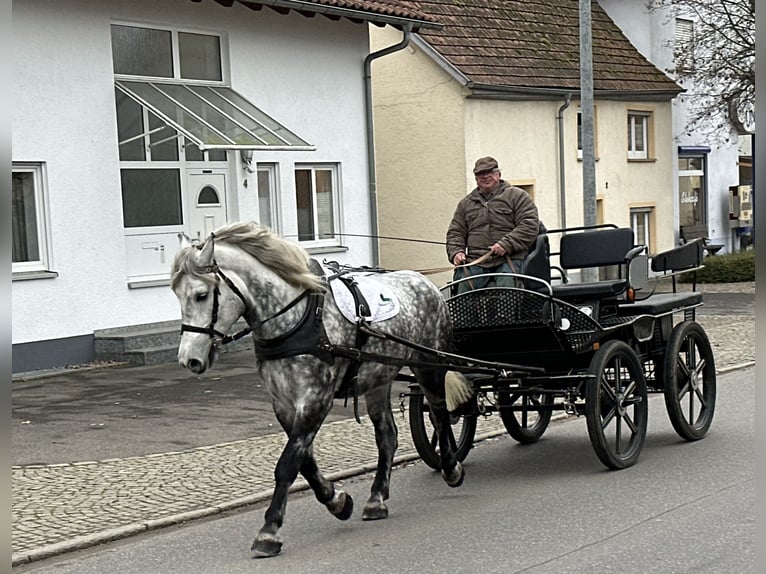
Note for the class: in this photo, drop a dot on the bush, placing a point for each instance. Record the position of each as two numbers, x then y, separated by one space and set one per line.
725 268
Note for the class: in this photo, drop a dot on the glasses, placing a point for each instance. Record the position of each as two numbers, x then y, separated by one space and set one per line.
485 173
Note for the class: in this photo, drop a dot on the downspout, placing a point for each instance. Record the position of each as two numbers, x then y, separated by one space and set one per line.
562 187
407 30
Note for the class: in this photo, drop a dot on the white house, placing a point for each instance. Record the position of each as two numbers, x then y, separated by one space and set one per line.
137 120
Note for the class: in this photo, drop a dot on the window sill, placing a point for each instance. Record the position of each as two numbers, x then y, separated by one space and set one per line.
642 159
29 275
148 281
326 249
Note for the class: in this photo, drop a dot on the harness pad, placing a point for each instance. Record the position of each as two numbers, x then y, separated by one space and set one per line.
381 299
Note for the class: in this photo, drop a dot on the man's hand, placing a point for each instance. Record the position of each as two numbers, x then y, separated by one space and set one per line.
459 258
497 249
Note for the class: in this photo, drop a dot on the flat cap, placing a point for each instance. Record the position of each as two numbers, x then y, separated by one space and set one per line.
485 164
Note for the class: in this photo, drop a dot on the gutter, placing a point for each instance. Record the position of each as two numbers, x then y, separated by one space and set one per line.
371 176
524 93
562 187
336 11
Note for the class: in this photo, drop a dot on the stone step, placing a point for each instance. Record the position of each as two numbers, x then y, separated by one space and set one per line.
149 344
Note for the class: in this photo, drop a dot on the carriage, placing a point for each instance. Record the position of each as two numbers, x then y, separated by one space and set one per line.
594 348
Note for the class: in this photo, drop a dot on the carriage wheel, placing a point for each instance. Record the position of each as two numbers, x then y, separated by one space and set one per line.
525 426
690 385
424 433
616 405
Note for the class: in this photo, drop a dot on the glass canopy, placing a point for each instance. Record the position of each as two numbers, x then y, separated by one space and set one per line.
213 117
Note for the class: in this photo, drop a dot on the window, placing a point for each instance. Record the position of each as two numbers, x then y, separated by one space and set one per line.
315 191
267 195
641 223
151 197
683 46
692 190
142 135
138 51
638 135
29 218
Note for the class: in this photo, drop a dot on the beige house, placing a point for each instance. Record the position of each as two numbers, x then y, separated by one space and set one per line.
503 80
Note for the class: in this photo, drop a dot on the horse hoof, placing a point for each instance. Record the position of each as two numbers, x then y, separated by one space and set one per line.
456 477
266 547
344 508
375 511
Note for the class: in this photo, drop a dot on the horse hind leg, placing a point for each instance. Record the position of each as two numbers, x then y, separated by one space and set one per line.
386 437
432 383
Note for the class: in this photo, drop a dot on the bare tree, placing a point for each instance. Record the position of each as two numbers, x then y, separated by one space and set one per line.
714 49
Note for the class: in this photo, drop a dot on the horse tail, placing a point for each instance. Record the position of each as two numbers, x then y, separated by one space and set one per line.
458 390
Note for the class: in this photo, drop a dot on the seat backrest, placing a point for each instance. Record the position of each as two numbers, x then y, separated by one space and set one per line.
686 256
537 262
595 248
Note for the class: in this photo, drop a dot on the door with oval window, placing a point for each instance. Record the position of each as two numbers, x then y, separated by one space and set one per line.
206 202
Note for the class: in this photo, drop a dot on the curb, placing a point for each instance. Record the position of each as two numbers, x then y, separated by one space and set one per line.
110 535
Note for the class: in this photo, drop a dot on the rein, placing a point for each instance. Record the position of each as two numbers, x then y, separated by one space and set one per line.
211 330
433 270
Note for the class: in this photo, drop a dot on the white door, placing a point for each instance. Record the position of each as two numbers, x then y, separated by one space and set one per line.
205 202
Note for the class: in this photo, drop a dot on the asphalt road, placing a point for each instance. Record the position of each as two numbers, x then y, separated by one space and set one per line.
545 508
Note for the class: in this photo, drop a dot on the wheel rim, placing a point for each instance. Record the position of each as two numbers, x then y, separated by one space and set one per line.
691 388
617 408
618 402
525 426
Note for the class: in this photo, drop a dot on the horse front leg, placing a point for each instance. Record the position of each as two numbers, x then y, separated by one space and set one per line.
340 504
386 437
268 542
298 456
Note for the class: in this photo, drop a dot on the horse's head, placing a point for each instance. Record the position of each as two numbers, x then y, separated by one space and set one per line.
208 309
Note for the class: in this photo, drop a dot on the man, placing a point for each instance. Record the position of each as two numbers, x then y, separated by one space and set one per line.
497 218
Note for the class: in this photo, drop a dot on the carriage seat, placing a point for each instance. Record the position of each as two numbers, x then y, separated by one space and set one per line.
661 303
596 248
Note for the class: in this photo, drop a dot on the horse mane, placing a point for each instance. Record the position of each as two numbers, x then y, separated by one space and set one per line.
288 260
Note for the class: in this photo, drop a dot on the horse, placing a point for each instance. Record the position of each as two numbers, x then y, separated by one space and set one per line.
305 350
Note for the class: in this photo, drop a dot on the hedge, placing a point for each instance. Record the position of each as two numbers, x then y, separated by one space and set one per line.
725 268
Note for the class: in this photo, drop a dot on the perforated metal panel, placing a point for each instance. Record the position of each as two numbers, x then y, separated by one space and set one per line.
498 308
492 309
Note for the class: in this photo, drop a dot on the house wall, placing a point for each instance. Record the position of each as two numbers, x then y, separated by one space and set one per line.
305 72
652 34
523 137
419 152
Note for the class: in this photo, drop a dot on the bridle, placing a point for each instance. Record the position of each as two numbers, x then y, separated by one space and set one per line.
210 330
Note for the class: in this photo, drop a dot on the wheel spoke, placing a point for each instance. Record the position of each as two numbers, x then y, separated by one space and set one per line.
631 424
607 389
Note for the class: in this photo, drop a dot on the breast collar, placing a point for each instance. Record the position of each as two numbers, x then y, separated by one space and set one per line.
307 336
